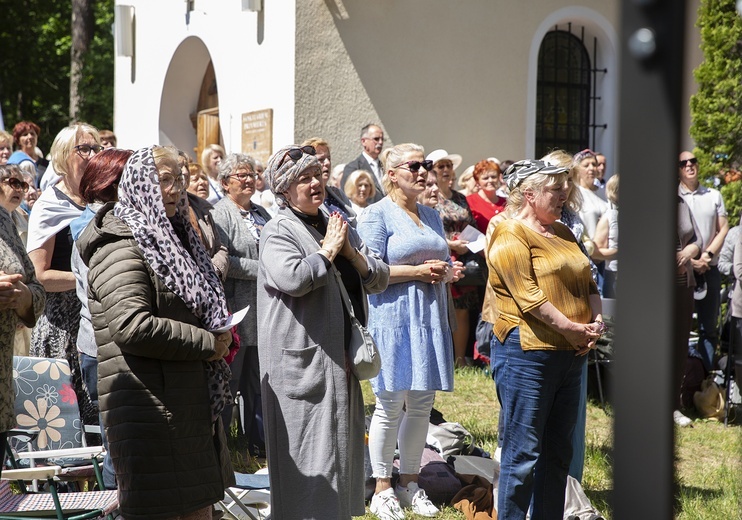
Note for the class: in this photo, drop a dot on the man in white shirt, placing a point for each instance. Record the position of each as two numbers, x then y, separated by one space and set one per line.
372 141
707 207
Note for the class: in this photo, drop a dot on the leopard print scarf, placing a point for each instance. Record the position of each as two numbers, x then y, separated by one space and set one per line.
189 275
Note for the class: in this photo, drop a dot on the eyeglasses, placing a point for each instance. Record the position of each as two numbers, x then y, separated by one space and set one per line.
296 153
378 139
83 150
16 184
168 182
684 162
414 166
242 177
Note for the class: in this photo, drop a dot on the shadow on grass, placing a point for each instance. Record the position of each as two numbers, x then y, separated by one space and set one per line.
601 499
700 494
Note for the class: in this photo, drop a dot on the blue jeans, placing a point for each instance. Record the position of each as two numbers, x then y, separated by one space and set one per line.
708 317
578 437
89 369
540 394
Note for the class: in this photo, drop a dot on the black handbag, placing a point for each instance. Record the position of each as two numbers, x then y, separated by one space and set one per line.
476 272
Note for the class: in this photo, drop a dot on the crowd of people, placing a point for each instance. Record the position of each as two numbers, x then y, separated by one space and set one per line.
132 264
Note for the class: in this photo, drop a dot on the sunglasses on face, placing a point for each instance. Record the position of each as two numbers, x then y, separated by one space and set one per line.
84 150
296 153
414 166
16 184
684 162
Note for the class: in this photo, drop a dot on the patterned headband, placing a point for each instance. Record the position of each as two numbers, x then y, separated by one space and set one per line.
518 171
579 156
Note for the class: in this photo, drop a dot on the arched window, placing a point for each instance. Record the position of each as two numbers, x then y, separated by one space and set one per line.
562 94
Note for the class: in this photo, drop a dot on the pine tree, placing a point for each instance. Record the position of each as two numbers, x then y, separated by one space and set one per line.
716 110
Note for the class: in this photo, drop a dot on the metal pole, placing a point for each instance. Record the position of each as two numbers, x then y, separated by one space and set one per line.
650 101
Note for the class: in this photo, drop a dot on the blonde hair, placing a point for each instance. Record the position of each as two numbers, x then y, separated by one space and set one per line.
315 141
64 145
464 178
611 189
537 183
395 155
209 150
6 137
564 159
166 156
351 188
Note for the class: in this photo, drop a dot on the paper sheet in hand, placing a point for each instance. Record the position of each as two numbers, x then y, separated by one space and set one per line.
233 320
475 238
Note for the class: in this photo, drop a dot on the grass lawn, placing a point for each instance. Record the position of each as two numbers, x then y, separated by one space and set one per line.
708 454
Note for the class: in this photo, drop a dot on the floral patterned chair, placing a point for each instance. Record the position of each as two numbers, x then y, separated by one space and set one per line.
46 403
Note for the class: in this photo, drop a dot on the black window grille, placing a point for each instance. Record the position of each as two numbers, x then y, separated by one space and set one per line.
565 93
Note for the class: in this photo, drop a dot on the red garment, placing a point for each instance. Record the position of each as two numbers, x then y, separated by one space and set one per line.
483 210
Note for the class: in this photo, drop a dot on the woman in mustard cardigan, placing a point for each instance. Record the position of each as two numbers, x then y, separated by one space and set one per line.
549 317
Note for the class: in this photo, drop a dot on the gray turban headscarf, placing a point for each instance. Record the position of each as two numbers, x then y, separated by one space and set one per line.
520 170
279 178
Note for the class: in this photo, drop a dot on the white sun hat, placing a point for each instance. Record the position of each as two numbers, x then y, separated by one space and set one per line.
437 155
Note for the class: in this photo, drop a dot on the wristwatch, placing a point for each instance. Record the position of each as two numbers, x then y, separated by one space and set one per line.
710 253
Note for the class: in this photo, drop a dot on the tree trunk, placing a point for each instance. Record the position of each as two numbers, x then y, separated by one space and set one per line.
82 34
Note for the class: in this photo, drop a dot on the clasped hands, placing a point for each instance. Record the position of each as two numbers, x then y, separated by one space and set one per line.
336 241
11 290
440 271
584 336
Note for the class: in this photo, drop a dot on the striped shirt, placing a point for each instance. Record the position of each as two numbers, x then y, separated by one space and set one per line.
531 269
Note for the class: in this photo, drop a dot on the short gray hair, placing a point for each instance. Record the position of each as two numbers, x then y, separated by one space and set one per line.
232 162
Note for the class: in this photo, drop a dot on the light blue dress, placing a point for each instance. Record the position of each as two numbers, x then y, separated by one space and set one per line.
409 320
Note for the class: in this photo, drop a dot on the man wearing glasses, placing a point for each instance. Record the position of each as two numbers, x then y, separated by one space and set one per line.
372 141
707 208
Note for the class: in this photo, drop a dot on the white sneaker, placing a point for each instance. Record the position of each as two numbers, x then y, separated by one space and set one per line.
680 419
414 497
385 505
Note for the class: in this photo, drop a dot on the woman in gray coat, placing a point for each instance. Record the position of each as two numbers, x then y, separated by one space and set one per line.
239 223
312 403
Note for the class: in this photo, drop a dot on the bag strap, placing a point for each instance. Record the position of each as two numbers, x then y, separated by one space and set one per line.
343 291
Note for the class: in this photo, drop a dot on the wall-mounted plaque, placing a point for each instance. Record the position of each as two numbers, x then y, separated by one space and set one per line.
257 134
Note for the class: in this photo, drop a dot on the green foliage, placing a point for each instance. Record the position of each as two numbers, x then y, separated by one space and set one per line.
35 38
716 110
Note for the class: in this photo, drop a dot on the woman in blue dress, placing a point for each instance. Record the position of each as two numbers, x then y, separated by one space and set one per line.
409 322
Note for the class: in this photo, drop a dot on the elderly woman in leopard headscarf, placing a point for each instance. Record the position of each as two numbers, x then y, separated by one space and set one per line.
158 310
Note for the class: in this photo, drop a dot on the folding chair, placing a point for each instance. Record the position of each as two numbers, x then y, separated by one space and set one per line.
62 506
251 495
46 407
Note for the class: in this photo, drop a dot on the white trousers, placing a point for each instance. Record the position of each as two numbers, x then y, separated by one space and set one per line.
391 427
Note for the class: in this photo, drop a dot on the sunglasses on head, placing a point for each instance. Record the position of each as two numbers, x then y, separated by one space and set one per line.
414 166
692 160
296 153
